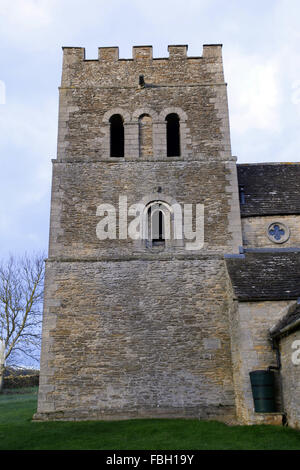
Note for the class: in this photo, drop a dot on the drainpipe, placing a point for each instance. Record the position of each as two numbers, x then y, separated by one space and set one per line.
275 346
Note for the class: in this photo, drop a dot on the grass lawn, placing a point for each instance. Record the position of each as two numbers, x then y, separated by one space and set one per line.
18 432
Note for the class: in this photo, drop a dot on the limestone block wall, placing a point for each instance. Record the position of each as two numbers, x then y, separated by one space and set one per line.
252 349
255 231
78 189
129 332
93 90
147 337
290 373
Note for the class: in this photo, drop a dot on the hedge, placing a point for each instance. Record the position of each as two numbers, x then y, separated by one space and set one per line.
20 381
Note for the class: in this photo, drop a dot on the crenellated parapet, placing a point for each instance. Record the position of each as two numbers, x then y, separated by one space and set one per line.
142 52
110 69
192 88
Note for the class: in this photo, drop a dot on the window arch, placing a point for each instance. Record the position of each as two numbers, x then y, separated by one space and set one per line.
173 135
116 136
157 224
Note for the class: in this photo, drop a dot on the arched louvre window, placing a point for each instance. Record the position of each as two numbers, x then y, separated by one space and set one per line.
116 136
158 225
173 135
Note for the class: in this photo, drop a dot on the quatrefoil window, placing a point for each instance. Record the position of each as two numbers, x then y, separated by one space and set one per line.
278 232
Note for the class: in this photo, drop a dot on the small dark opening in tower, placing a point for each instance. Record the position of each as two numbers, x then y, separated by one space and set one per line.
173 135
141 80
116 136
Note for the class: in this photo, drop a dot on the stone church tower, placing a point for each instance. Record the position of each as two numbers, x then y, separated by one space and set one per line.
142 327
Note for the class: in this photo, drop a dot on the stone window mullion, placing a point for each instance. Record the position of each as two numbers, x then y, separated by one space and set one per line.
159 139
131 132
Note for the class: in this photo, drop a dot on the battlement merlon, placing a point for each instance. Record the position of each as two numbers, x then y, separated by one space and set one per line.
79 71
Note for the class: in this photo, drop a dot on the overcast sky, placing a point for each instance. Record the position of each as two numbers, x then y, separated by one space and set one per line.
261 59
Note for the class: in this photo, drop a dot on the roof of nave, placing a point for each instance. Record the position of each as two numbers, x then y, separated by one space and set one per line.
269 188
265 274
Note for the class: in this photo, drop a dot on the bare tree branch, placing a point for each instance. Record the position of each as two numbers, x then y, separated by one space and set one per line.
21 296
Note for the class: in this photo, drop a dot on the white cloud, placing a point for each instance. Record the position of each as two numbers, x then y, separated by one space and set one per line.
167 11
28 140
29 126
37 25
25 15
254 92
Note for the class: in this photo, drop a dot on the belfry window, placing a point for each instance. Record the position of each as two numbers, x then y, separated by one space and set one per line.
116 136
173 135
